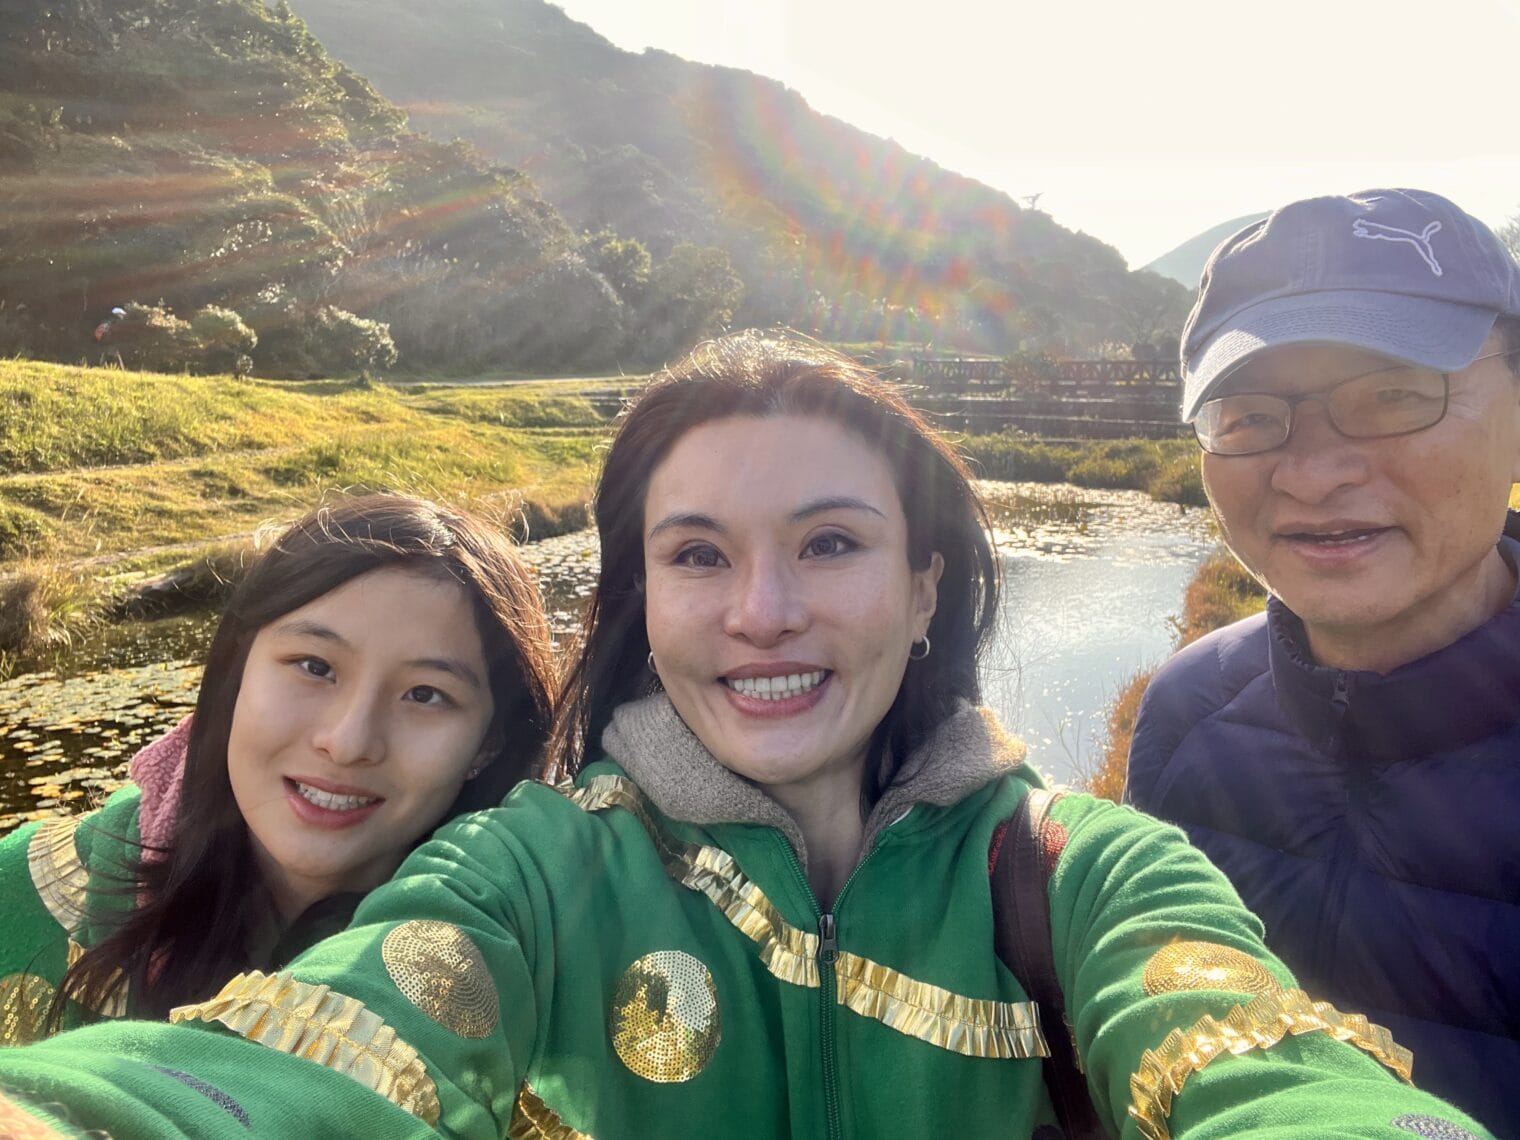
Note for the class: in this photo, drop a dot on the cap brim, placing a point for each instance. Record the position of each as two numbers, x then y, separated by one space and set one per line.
1435 334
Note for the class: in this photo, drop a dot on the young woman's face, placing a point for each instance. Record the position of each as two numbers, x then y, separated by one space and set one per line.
358 718
779 600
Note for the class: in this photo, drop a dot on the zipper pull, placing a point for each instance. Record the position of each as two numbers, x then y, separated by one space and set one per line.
828 944
1341 697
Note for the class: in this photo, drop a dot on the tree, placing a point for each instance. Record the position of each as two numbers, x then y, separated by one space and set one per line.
224 340
691 296
623 261
1509 234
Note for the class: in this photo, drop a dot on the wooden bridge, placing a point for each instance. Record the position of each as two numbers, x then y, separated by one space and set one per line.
1086 379
1100 399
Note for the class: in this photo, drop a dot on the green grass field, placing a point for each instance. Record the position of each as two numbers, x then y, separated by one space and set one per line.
109 477
103 463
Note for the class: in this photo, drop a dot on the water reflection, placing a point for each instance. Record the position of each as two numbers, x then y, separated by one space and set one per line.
1090 579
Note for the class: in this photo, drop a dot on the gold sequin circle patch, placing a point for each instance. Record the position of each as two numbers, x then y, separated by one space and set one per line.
664 1017
442 973
1206 966
24 1002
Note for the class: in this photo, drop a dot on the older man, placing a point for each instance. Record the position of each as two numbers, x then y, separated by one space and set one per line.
1351 758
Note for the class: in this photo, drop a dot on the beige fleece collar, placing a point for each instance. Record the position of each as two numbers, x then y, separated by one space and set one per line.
650 741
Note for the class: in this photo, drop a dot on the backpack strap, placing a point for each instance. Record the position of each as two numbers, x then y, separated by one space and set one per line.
1021 933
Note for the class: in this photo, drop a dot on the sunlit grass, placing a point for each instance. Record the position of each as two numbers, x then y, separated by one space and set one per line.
1167 469
97 462
109 479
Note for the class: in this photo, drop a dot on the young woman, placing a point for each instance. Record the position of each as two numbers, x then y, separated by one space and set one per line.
384 666
761 907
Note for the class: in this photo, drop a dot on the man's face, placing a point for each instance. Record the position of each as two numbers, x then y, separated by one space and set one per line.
1389 542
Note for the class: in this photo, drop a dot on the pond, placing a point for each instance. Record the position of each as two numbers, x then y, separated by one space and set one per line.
1090 581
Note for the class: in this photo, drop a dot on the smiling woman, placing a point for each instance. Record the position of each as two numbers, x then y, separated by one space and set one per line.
384 666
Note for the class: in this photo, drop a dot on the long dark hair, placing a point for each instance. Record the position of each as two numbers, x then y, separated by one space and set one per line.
201 897
771 374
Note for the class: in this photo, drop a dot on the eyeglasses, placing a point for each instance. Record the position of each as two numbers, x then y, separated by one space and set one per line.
1376 405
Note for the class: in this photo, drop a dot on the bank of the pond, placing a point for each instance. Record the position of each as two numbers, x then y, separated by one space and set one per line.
1165 469
1220 592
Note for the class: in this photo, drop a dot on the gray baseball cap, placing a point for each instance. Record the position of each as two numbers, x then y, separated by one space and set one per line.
1404 273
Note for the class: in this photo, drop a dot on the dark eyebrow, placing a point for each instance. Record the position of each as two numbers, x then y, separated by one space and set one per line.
305 627
836 503
687 519
807 510
450 665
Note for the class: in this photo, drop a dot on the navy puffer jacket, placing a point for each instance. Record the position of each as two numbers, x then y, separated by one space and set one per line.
1372 821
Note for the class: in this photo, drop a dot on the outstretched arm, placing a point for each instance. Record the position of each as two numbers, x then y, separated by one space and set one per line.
1187 1026
419 1018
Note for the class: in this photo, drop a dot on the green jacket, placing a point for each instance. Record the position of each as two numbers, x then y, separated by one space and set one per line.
47 872
640 955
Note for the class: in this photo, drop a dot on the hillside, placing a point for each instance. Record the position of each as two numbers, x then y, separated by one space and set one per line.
829 228
1185 263
209 152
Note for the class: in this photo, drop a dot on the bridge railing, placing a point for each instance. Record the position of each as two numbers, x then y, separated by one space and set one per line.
1072 379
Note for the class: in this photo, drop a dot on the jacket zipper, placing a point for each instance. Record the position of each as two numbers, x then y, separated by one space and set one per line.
1340 863
828 952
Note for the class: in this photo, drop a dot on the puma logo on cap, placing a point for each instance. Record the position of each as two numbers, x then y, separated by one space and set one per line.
1376 231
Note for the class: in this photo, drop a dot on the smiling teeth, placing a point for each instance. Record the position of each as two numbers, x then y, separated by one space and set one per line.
777 688
330 801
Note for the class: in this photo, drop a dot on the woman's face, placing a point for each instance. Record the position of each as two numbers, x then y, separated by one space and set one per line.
357 720
779 600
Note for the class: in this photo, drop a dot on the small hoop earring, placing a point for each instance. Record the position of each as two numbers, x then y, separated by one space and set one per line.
650 662
912 656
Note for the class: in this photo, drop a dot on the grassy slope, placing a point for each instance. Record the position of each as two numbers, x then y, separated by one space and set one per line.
109 477
98 463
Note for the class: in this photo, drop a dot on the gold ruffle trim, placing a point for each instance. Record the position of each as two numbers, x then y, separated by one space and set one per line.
57 872
324 1026
1258 1024
115 1004
970 1026
532 1119
788 953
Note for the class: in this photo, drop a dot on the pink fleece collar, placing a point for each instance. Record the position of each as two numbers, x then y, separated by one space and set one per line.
159 770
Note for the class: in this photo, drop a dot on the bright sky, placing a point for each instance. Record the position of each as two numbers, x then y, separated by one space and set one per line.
1142 124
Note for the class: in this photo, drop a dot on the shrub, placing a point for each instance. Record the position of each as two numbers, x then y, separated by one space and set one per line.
44 606
307 343
1180 481
21 528
540 519
1222 592
224 341
151 338
1101 471
1018 458
1107 779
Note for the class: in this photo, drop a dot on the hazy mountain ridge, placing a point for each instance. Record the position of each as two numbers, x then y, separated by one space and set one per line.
825 223
1184 263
